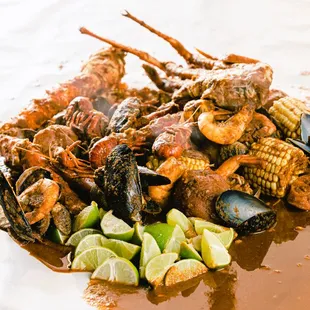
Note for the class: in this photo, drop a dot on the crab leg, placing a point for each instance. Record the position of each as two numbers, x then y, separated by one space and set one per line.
191 59
169 67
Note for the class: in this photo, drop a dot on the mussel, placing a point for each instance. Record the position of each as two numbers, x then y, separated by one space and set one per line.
13 211
245 213
122 185
304 143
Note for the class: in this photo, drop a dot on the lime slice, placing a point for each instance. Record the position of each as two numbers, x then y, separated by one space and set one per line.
55 235
90 259
192 219
149 250
196 242
122 248
226 237
101 213
75 239
184 270
88 242
200 225
188 251
158 266
116 228
118 270
174 243
161 232
88 217
138 234
176 217
213 251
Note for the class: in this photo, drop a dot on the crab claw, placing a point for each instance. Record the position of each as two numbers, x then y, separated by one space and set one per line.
13 211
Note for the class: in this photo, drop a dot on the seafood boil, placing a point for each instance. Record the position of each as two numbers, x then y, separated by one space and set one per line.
195 157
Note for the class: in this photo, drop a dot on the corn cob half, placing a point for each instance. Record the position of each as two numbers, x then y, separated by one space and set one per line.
283 164
287 113
192 160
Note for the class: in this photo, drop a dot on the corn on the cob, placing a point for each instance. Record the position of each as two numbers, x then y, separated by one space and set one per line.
287 113
283 164
192 160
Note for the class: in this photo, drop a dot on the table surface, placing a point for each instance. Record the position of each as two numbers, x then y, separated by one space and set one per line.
40 45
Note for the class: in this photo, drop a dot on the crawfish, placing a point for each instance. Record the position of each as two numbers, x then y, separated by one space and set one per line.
24 154
174 140
101 72
138 140
84 120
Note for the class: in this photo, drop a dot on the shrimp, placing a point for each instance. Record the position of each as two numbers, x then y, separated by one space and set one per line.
172 169
227 132
42 197
103 71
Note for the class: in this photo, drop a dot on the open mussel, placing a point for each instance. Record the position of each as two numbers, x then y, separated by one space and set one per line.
245 213
149 177
122 184
13 211
304 143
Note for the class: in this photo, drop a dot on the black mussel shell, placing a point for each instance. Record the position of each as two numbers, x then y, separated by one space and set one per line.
122 184
13 211
244 212
305 128
304 147
97 195
149 177
29 177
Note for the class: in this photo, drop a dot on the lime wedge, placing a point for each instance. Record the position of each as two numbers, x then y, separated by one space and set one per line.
122 248
118 270
176 217
101 213
55 235
213 251
200 225
158 266
227 237
188 251
116 228
138 234
88 217
196 242
90 259
192 219
174 243
88 242
75 239
149 250
161 232
184 270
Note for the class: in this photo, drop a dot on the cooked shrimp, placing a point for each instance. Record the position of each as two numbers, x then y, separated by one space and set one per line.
41 196
227 132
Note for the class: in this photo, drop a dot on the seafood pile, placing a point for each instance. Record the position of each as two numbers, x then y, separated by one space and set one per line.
208 140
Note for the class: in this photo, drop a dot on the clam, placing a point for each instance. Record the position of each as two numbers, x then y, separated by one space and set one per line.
245 213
